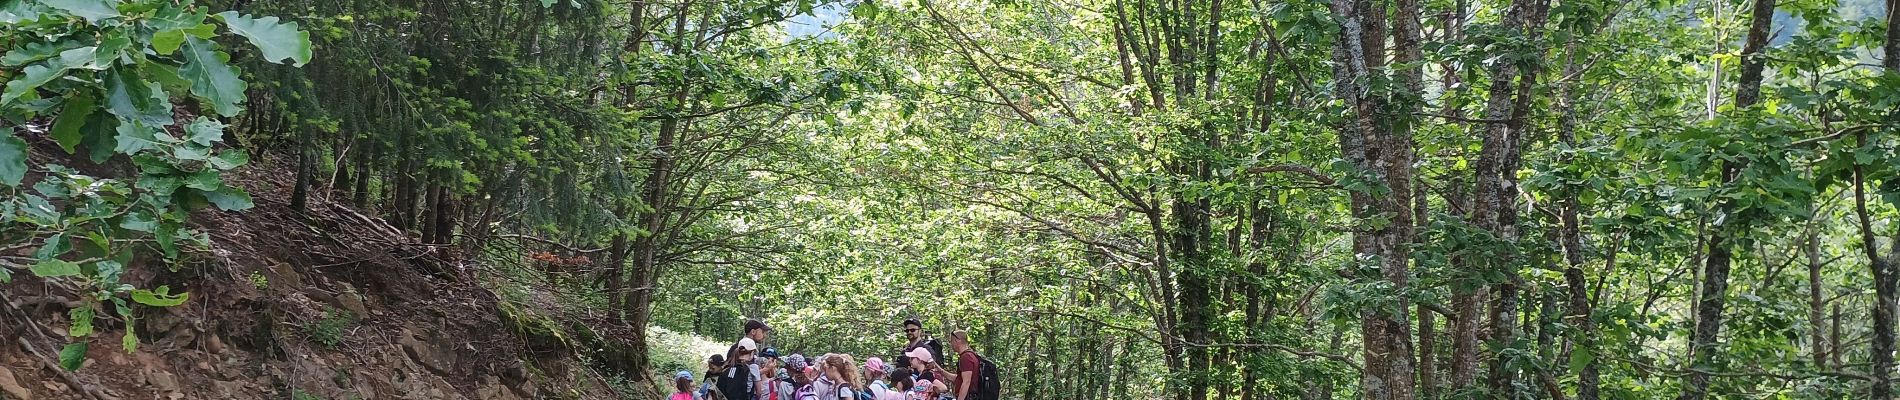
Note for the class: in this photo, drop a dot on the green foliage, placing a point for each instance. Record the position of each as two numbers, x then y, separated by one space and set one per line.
107 85
328 331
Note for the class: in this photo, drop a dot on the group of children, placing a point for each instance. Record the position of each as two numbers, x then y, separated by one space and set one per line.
749 373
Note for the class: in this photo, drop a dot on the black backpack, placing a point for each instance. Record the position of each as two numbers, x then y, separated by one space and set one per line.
989 384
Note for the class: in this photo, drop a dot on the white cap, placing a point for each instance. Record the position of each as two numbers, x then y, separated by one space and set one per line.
748 344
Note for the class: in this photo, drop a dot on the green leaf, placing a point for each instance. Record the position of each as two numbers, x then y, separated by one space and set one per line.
160 297
191 153
109 50
71 118
138 221
277 41
99 138
72 356
130 97
91 10
212 79
6 276
205 131
131 339
1580 356
206 180
54 246
164 74
230 159
165 42
167 243
12 160
35 51
134 138
230 199
55 268
34 76
82 322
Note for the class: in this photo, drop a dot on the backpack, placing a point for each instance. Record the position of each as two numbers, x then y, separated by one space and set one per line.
735 387
804 393
989 384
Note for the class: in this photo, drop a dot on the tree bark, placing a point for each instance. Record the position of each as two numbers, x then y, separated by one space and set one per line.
1817 305
1579 314
1495 208
1716 266
1885 299
1375 141
300 193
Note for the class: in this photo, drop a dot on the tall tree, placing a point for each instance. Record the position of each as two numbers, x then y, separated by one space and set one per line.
1716 266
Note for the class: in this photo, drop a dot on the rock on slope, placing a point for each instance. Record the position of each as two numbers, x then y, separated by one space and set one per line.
329 304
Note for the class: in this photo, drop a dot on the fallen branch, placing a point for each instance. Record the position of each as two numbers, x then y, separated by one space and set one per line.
14 312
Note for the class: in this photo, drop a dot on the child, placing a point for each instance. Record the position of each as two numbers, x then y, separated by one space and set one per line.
708 387
923 363
902 383
842 373
683 384
803 379
875 372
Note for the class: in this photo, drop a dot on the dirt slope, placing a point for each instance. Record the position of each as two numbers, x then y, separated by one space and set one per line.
330 304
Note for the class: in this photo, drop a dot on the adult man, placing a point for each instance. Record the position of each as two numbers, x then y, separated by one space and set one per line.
914 330
969 367
756 330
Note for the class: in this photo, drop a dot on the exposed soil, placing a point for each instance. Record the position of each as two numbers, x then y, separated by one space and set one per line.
327 304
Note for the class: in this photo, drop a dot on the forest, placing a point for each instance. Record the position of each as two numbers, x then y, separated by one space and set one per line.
1166 199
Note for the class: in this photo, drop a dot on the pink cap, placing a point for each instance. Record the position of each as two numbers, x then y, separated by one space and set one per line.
874 364
920 353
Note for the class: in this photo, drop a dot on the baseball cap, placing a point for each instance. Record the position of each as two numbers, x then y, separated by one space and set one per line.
769 353
876 364
796 362
683 375
748 345
751 324
921 354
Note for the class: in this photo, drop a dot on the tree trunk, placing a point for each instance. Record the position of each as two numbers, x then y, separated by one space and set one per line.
1885 300
1817 305
360 196
340 186
1495 203
616 273
444 209
1716 268
1580 314
300 193
1373 143
1885 277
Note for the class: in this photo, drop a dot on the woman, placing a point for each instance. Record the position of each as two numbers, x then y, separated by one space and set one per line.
737 380
922 363
843 374
875 371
